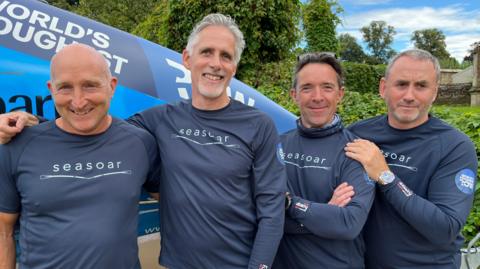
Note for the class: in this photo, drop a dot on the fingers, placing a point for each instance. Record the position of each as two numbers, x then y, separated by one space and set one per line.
342 195
12 123
369 155
23 119
7 129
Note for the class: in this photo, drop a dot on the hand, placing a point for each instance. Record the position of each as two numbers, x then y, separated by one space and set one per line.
342 195
369 155
13 123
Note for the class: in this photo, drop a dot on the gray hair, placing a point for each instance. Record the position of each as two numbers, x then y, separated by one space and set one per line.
318 58
417 54
217 19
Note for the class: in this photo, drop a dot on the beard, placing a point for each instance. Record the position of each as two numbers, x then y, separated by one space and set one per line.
211 92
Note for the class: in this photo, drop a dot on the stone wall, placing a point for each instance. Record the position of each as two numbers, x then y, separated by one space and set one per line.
446 75
454 94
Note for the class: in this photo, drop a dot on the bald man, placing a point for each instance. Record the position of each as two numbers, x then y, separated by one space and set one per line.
69 181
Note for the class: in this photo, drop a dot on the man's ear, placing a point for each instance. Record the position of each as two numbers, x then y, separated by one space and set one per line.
293 94
50 87
113 85
186 59
381 87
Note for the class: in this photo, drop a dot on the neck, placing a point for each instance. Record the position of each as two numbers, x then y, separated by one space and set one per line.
205 103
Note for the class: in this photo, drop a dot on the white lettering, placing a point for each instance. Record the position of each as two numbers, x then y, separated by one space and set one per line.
39 17
67 167
8 26
24 12
47 43
17 30
3 5
74 30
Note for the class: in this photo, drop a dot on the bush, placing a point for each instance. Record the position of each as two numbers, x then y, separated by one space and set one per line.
362 78
356 106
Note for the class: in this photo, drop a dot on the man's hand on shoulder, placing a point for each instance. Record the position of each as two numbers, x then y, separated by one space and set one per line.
369 155
13 123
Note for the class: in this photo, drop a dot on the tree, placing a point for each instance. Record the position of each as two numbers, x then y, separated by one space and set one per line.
319 24
124 15
379 36
431 40
270 27
64 4
349 50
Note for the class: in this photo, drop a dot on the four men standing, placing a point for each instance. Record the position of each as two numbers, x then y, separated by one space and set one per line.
222 186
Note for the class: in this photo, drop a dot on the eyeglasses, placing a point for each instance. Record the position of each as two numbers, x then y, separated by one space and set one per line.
310 55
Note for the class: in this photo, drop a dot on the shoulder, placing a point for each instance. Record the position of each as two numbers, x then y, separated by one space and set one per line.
449 136
135 132
367 123
29 135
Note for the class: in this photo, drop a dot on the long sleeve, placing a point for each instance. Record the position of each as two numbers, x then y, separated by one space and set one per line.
330 221
449 197
269 187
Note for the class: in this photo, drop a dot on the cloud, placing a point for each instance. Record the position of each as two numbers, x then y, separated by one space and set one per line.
368 2
460 26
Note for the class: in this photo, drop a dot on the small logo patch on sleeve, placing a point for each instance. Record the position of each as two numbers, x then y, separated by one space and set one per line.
405 189
465 181
302 206
280 154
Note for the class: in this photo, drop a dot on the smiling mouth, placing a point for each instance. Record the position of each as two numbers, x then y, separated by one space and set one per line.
82 112
213 77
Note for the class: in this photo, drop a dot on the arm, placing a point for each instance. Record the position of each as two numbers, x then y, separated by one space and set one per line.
13 123
7 242
331 221
269 186
445 204
341 197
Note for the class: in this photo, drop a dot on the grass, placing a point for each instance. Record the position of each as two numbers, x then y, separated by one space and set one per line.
459 109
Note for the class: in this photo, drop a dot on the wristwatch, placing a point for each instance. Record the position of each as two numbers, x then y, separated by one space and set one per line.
288 200
386 177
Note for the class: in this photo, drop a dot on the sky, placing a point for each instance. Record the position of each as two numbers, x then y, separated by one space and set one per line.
458 20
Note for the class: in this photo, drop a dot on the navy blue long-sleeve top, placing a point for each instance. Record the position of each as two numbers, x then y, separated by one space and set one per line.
416 220
222 185
319 235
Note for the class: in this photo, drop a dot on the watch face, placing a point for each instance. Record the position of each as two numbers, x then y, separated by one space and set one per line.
387 177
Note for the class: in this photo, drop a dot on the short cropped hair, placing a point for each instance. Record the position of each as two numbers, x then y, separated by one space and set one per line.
217 19
318 58
417 54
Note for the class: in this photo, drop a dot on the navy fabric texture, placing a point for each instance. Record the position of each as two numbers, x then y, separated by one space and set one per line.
222 189
416 220
77 195
319 235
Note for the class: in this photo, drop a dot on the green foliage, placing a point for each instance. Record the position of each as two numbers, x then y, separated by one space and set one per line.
319 23
431 40
274 80
356 106
379 37
450 63
349 50
64 4
124 15
269 26
155 26
363 78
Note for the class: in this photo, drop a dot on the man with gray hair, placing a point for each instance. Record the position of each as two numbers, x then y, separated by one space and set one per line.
222 189
425 171
222 186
